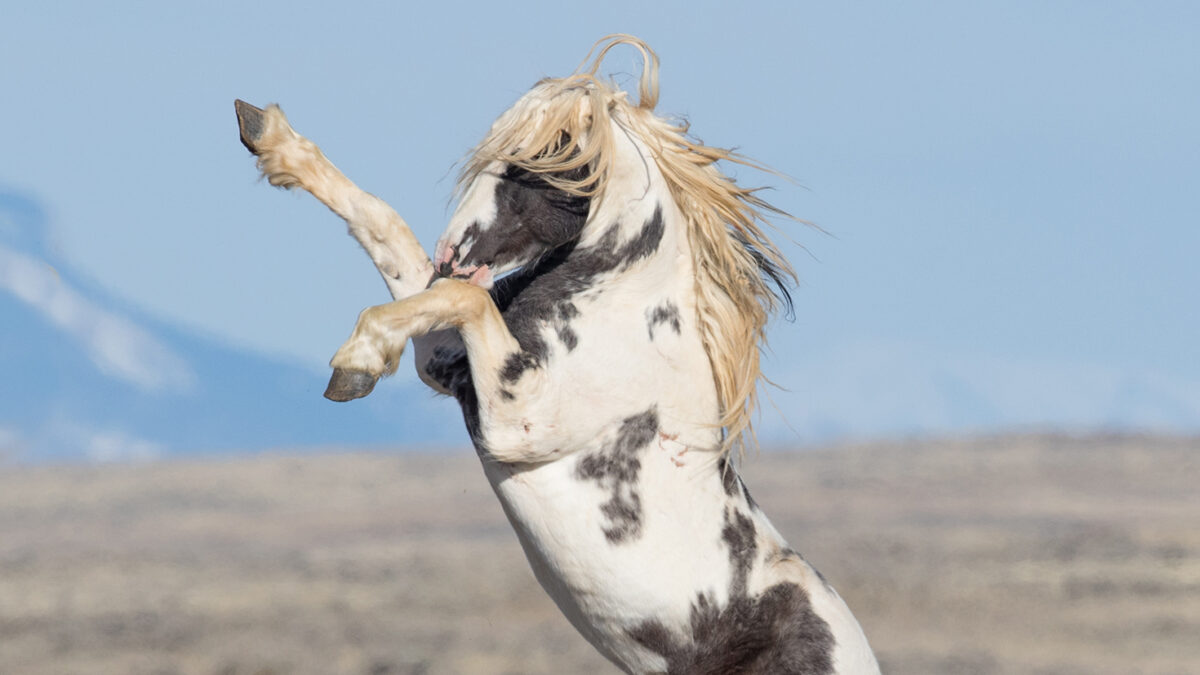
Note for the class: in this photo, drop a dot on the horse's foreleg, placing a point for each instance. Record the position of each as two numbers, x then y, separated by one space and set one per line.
290 160
504 408
379 337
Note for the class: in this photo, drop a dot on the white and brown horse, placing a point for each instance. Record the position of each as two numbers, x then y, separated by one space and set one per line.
596 306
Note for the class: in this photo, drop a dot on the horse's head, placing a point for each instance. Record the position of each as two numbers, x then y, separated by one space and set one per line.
525 191
509 217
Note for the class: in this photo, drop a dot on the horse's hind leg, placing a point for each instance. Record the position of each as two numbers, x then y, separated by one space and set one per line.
290 160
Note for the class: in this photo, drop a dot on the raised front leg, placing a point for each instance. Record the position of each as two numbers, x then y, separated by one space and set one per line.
290 160
379 337
513 415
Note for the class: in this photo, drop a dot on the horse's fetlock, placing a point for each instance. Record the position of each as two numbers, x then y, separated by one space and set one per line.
360 354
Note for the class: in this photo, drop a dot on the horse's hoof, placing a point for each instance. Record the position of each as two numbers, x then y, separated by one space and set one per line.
250 123
347 385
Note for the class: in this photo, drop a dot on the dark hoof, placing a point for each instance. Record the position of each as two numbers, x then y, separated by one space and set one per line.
250 124
347 385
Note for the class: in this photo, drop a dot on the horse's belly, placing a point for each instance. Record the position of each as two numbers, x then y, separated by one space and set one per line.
609 585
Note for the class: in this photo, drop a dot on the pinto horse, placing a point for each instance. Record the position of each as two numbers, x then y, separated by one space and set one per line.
596 306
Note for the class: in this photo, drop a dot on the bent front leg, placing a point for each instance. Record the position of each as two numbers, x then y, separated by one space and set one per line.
290 160
513 416
379 337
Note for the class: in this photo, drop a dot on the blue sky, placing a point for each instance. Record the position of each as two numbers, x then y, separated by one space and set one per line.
1008 187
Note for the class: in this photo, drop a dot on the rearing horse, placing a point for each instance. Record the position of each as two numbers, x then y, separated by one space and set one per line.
596 306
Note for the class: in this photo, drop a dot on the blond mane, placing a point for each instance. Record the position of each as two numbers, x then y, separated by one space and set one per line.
741 277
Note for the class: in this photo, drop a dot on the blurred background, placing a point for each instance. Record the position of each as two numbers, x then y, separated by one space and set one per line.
994 363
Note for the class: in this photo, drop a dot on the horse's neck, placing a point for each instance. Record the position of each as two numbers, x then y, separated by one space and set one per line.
638 217
648 305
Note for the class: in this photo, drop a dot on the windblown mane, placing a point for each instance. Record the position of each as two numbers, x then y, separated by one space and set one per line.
741 276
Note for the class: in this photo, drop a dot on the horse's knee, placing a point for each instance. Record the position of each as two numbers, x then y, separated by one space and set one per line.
471 302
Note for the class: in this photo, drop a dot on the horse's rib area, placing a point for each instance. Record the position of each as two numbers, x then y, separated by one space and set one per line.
616 468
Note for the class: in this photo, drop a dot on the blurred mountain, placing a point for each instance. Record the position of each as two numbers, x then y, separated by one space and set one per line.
86 378
882 389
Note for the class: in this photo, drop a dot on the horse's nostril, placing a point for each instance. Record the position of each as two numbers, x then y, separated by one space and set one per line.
445 269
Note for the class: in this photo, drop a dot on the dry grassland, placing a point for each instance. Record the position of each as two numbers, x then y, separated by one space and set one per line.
1031 554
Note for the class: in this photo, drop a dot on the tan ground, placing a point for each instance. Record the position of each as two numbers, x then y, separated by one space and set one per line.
1008 555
